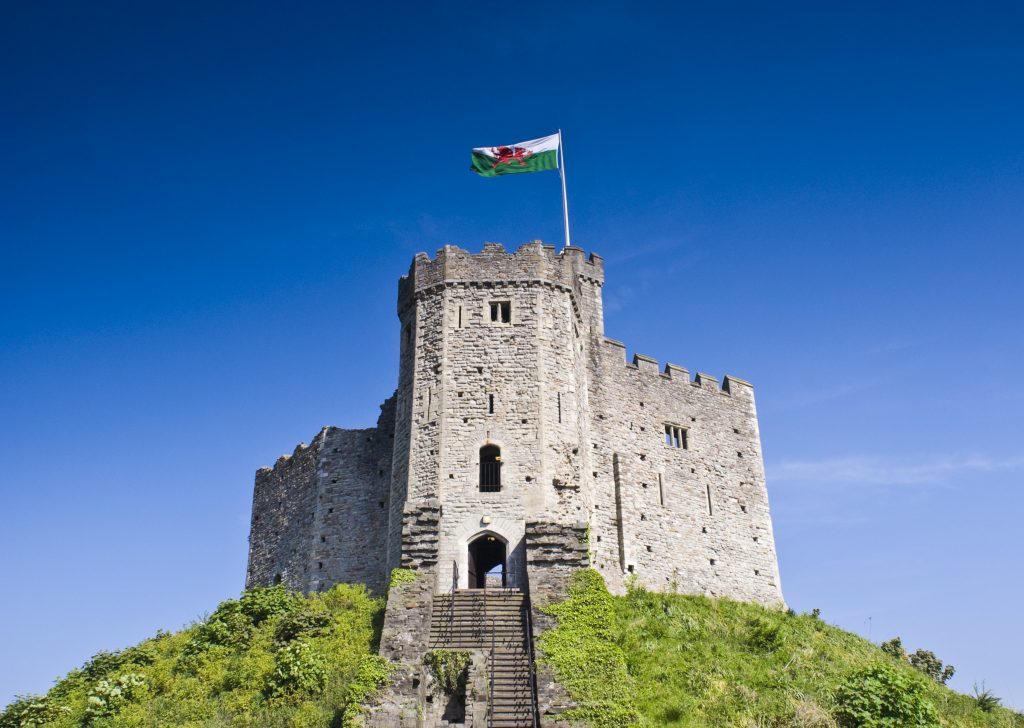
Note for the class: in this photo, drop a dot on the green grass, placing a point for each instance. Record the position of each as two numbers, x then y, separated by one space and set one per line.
693 661
274 659
268 659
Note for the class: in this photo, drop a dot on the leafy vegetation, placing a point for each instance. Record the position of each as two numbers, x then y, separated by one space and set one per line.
402 576
924 661
269 658
585 656
450 667
880 696
273 659
675 660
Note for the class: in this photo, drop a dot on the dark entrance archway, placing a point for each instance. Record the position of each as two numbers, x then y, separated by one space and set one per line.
487 554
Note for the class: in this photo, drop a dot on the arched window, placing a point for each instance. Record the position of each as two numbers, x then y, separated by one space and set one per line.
490 469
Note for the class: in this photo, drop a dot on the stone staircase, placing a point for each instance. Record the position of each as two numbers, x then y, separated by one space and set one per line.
466 621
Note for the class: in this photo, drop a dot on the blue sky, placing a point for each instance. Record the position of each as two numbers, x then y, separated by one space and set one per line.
204 209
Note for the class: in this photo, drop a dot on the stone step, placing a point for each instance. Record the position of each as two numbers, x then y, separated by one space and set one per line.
476 620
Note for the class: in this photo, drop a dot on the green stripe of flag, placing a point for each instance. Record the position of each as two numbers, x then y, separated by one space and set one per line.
489 166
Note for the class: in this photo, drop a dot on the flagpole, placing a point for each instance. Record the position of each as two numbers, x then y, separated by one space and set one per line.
565 199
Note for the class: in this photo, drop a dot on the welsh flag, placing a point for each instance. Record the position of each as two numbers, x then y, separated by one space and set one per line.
536 155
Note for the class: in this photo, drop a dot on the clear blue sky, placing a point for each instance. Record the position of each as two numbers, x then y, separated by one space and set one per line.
204 210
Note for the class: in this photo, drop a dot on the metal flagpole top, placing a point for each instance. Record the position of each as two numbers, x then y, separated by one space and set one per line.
565 198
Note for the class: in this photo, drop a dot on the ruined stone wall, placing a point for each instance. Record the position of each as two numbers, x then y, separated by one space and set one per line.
283 504
320 515
693 518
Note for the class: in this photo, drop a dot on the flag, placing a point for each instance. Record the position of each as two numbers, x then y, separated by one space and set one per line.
536 155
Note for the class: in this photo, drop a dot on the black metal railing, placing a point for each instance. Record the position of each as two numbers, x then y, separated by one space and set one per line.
529 657
451 600
490 477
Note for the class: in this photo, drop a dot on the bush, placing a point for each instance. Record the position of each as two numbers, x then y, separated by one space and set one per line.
985 699
926 662
269 659
401 576
373 672
109 696
305 622
894 647
586 659
28 711
298 668
765 636
450 667
881 696
261 604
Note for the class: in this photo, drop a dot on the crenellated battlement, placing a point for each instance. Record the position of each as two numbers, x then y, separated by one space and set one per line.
531 262
674 373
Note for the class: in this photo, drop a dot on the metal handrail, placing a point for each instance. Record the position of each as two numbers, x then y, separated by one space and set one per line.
490 691
451 604
529 654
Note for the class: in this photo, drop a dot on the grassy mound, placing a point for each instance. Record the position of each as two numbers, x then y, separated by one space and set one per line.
651 659
270 658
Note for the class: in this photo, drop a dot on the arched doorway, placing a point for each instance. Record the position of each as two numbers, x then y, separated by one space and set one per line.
487 557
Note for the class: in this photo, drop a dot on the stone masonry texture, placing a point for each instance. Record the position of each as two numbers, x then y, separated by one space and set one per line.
581 430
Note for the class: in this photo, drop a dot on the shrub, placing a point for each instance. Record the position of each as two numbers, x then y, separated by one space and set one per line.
450 667
882 696
401 576
894 647
295 668
765 636
227 626
985 699
298 668
109 696
306 622
926 662
373 672
266 602
585 657
28 711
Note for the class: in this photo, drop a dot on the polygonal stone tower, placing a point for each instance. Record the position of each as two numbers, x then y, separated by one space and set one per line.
519 446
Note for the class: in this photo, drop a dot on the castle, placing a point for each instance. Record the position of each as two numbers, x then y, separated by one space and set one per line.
519 445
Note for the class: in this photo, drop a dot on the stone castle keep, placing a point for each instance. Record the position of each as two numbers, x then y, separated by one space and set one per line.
520 445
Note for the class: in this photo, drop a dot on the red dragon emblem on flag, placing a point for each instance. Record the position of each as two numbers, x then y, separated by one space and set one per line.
510 156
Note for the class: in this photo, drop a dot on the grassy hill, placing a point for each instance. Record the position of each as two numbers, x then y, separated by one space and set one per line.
272 659
268 659
673 660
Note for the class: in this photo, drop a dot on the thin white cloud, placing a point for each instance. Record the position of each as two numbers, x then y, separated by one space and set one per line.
880 472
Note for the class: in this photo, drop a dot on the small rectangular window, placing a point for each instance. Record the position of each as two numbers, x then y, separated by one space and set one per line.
460 317
501 312
490 404
676 436
661 489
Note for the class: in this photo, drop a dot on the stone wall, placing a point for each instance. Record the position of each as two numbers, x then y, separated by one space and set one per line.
554 551
520 385
695 517
281 525
320 516
581 433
